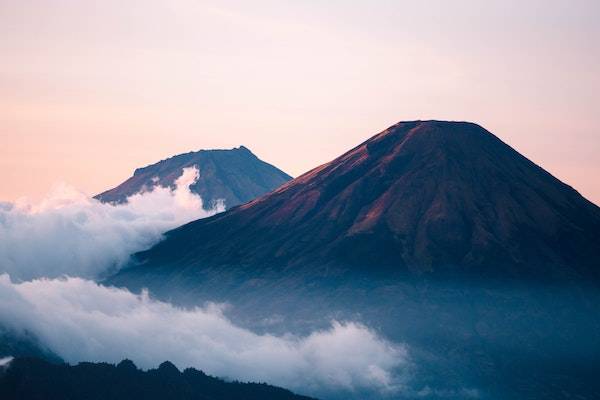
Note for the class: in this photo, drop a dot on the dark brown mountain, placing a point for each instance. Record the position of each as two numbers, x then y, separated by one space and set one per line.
420 198
235 176
515 313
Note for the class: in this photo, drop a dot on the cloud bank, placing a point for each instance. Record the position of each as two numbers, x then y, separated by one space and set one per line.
69 233
81 320
51 253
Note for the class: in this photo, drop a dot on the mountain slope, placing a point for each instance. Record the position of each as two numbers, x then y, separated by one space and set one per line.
30 378
235 176
422 197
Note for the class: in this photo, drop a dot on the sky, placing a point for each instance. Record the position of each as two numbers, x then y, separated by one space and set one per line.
91 90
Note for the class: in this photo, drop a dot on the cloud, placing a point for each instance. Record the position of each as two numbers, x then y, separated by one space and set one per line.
5 361
69 233
51 253
80 320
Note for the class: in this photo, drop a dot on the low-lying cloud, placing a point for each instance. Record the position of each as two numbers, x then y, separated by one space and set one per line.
51 253
81 320
71 234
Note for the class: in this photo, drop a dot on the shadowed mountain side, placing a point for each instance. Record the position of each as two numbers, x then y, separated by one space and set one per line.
30 378
234 176
420 198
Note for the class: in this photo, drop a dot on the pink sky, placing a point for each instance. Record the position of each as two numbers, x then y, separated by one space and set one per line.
91 90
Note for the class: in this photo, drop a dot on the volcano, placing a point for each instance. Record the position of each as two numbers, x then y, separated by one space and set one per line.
421 198
437 234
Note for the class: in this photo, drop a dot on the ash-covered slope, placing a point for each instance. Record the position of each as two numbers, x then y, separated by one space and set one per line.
420 198
234 176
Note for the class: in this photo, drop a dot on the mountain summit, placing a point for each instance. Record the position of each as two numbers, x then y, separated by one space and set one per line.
421 197
234 176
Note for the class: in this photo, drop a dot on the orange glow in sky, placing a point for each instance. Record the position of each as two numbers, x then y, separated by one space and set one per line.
91 90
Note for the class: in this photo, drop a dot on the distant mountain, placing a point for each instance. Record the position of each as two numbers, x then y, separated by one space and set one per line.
420 198
235 176
30 378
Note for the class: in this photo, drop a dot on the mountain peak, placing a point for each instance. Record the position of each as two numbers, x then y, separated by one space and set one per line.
434 127
427 133
420 145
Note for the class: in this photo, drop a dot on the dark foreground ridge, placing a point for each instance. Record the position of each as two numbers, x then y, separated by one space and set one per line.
234 176
30 378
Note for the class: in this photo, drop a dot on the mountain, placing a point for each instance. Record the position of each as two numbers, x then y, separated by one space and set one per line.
30 378
420 198
234 176
436 234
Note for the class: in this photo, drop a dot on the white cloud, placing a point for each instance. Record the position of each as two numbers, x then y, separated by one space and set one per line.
69 233
51 252
81 320
5 361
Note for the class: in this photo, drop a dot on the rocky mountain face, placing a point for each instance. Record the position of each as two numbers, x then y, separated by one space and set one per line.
234 176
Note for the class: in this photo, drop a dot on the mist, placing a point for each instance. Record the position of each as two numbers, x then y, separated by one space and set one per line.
70 234
53 252
80 320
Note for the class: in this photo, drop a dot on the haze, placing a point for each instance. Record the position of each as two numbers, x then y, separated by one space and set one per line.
91 90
